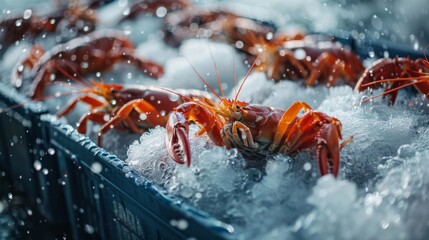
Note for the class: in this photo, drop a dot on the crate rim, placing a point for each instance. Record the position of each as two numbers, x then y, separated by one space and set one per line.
223 230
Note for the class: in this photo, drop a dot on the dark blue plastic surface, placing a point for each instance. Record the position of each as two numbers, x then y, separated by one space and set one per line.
23 152
117 203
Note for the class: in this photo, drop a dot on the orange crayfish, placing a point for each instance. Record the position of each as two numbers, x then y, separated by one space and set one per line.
133 108
95 52
315 58
394 74
256 130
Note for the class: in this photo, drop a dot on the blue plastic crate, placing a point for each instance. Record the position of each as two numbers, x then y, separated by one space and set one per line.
106 200
23 151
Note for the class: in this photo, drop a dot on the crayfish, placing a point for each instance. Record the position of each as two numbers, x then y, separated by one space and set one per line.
256 130
81 19
219 25
96 52
314 58
133 108
394 74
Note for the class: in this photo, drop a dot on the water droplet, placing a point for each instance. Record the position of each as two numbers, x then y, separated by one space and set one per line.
51 151
27 13
406 151
37 165
307 166
386 54
127 30
173 222
173 97
239 44
384 224
18 22
161 12
182 224
45 171
96 167
126 11
106 117
89 229
84 65
143 116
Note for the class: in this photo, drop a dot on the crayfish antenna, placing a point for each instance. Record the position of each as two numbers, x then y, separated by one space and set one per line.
247 75
235 73
77 79
177 93
419 80
202 79
217 72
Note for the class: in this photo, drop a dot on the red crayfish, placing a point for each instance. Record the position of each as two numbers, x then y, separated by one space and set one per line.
317 59
133 108
95 52
74 17
394 74
215 24
256 130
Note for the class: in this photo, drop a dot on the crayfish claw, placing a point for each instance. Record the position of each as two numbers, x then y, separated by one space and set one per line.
328 150
176 139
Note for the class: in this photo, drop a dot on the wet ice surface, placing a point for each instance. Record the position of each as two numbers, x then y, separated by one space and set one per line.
382 188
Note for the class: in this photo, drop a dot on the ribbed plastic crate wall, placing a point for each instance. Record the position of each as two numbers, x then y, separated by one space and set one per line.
25 161
106 200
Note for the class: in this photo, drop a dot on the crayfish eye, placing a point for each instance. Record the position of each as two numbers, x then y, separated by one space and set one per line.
113 91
